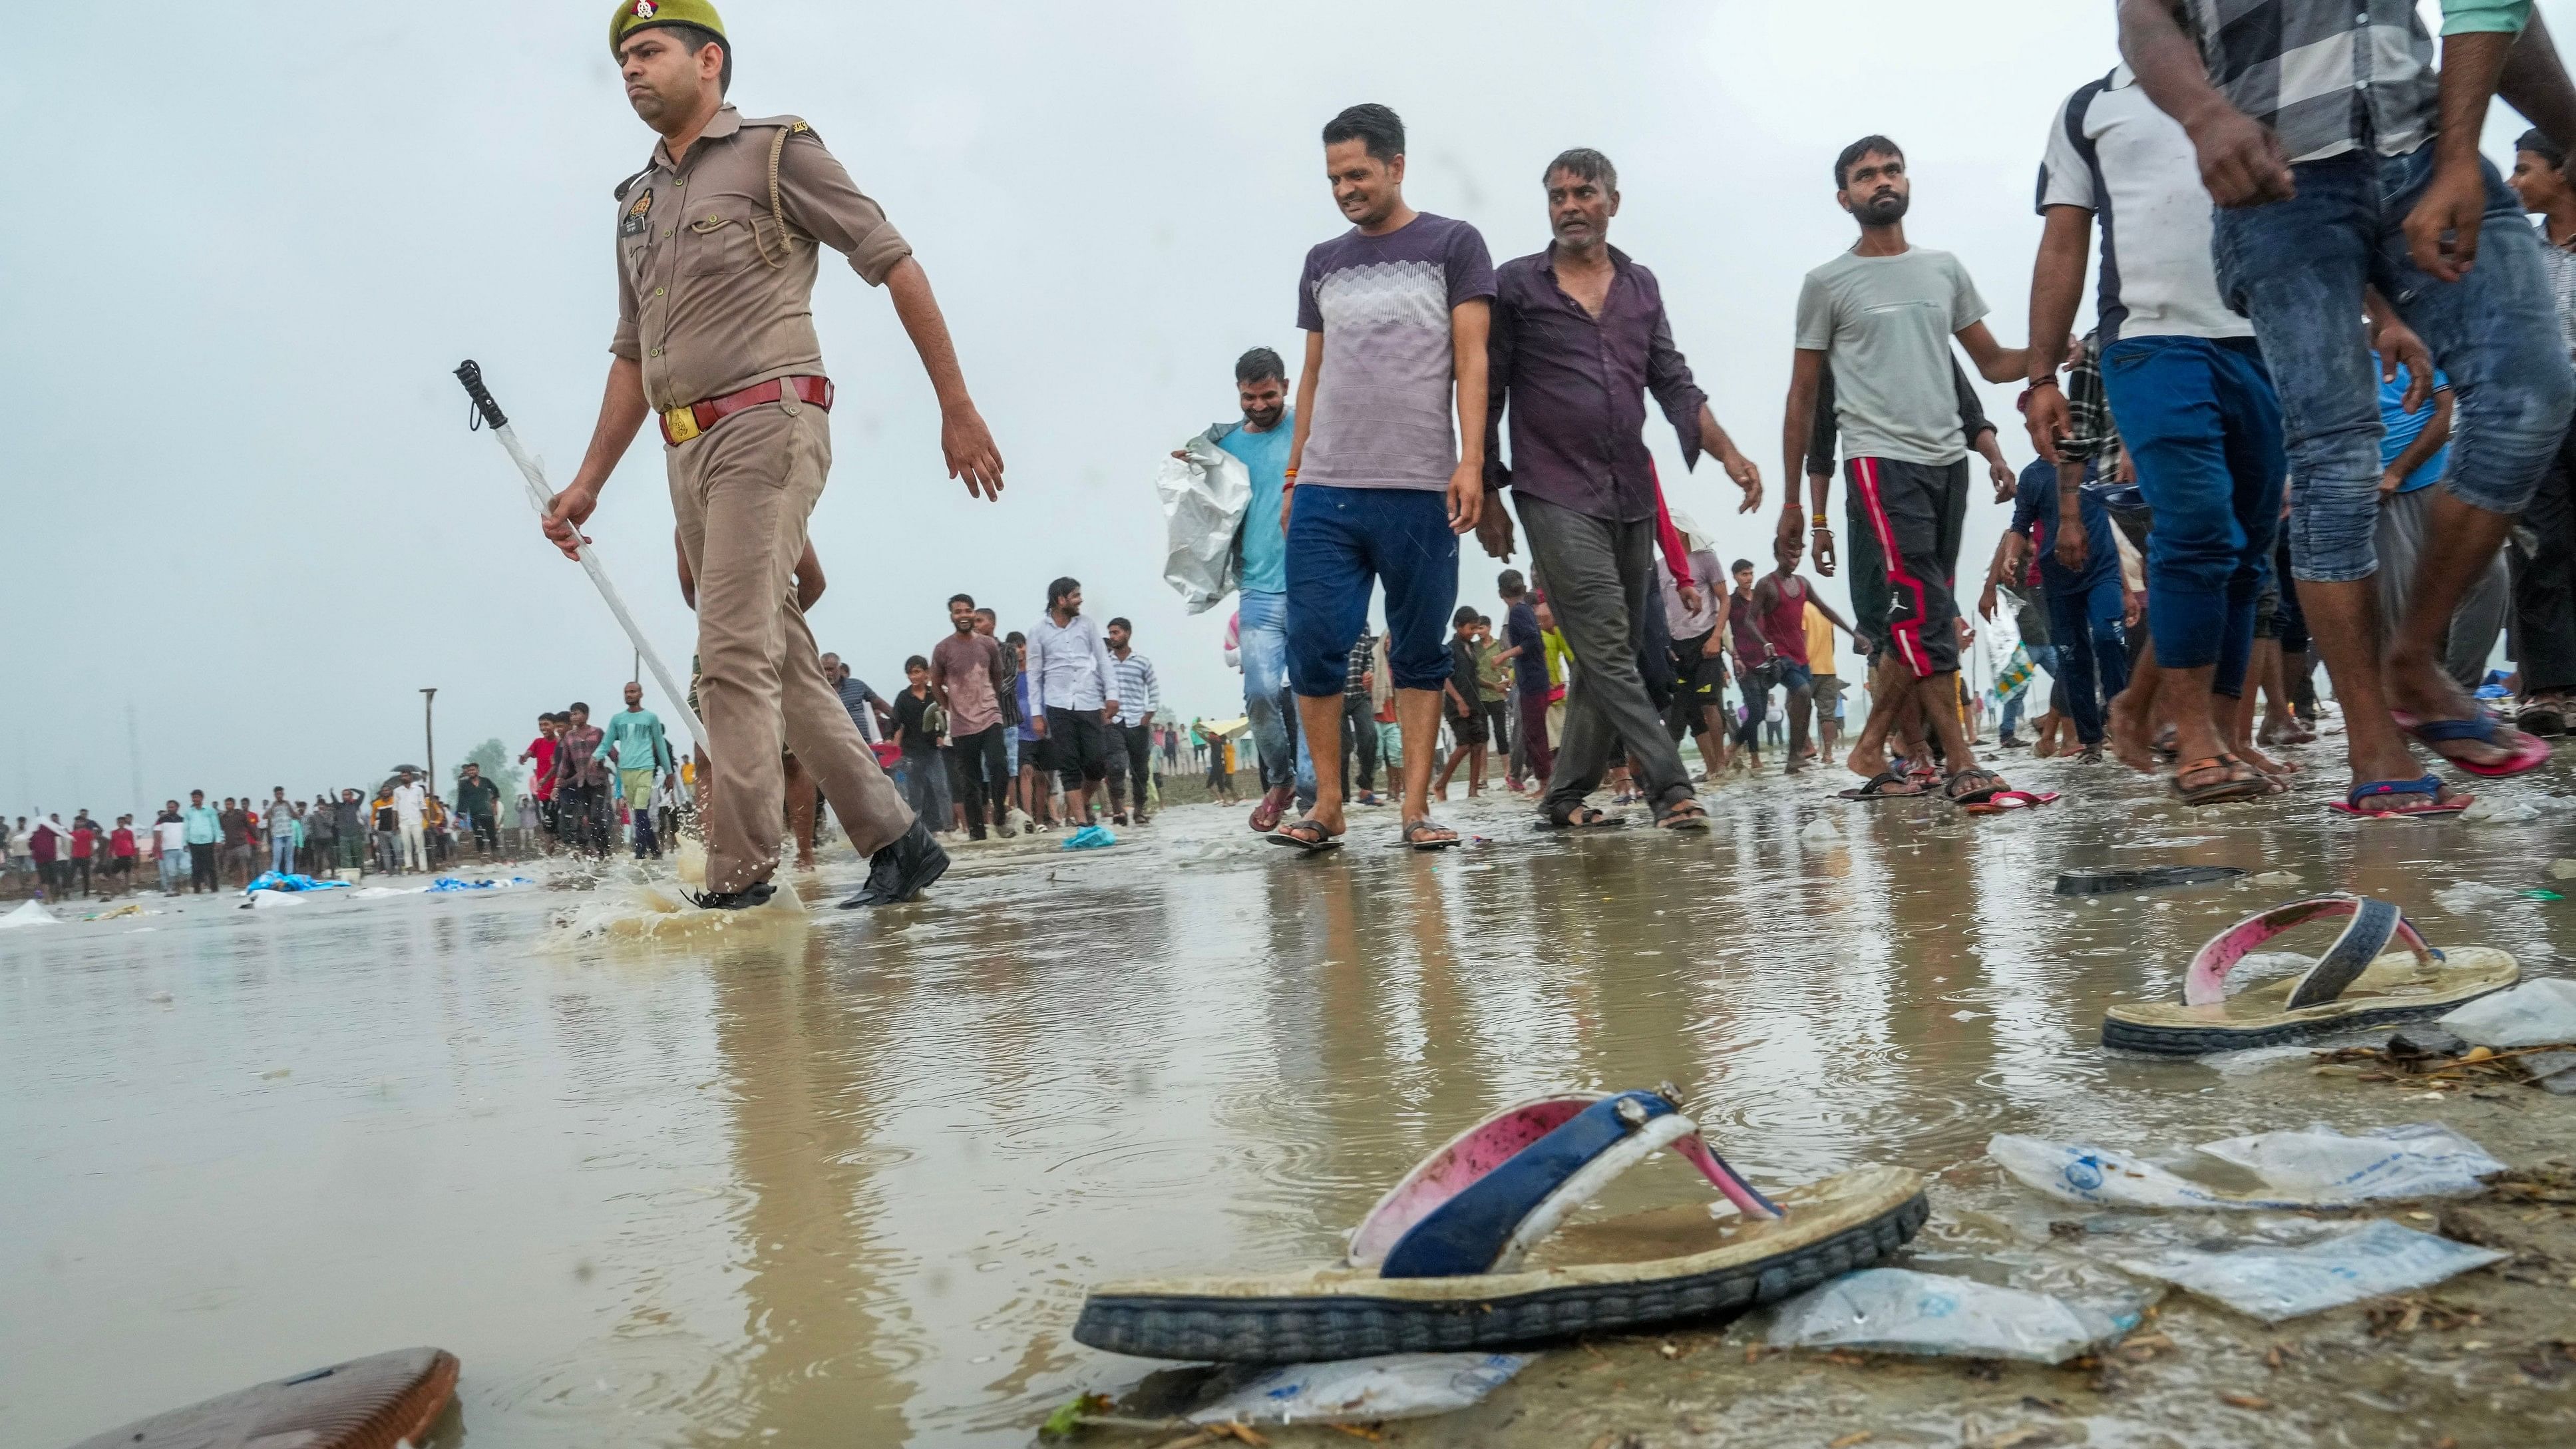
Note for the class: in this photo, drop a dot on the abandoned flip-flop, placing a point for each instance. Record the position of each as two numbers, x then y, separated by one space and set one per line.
1305 835
1471 1251
1883 786
2155 877
2352 985
366 1403
2003 801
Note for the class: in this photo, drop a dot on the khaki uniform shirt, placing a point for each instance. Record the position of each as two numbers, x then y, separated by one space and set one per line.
711 296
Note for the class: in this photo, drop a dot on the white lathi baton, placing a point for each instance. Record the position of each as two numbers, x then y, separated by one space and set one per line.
543 498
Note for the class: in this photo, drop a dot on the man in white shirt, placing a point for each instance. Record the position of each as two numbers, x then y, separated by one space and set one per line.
410 799
170 848
1071 677
2194 405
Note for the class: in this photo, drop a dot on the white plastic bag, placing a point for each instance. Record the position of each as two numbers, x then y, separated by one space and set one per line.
2422 1159
2311 1168
32 913
2273 1283
1204 497
1364 1390
2536 1013
1897 1310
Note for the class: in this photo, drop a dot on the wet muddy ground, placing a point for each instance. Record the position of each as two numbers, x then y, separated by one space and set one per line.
819 1177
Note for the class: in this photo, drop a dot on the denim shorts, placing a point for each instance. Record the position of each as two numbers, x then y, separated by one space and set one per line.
1339 541
2298 267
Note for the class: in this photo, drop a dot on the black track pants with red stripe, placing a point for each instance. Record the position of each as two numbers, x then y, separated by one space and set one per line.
1915 513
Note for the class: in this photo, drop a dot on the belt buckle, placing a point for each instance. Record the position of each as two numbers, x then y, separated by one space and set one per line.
680 424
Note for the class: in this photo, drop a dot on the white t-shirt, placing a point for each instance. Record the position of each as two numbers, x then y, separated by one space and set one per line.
408 802
172 836
2135 170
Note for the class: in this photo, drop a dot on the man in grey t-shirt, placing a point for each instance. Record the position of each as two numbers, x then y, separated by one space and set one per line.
1395 313
1883 314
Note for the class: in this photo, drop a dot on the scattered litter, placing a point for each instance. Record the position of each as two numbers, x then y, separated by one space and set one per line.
2109 882
1364 1390
2542 896
1820 830
376 893
1089 837
2253 1059
33 913
2536 1013
1966 1015
2470 897
130 908
262 900
276 1074
2562 869
2274 1283
2425 1040
1896 1310
2490 810
2277 877
2323 1165
2313 1168
270 880
447 883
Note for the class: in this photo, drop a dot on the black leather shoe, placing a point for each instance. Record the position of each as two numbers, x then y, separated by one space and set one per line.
901 871
755 894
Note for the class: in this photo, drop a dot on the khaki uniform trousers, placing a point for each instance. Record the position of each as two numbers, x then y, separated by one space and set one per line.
742 493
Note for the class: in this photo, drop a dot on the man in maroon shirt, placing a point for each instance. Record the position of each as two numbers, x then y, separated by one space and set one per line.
967 675
1780 604
1578 339
581 781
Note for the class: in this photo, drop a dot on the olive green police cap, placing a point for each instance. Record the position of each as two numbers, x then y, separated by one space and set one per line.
635 15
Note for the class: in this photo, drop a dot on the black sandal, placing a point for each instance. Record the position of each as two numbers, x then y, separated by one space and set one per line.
1685 813
1974 794
1314 842
1581 817
1417 834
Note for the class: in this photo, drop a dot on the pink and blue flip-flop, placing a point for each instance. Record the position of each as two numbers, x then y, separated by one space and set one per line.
2427 786
2528 751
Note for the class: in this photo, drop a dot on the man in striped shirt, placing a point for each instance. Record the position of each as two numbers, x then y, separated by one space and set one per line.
1131 731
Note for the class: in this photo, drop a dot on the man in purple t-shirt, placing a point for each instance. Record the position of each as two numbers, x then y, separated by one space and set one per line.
1395 314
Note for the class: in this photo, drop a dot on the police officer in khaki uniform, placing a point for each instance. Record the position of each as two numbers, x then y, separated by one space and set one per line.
717 242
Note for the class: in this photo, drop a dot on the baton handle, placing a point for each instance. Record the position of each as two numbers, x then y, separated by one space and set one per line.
471 374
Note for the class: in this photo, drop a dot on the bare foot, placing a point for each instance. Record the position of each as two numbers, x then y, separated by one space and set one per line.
2261 761
2132 736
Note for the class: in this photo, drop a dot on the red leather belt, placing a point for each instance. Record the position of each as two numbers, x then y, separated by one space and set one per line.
682 423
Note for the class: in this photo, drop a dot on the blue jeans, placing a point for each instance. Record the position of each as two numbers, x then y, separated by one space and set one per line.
2298 267
281 854
2092 658
1339 541
2203 425
1261 632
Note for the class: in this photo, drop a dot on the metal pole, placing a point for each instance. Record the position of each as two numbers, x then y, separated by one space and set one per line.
543 497
429 733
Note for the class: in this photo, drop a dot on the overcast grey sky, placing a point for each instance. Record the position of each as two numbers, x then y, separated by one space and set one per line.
240 492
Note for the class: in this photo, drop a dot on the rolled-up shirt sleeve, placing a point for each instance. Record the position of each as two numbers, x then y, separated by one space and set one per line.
2460 17
625 342
1502 346
1668 377
818 195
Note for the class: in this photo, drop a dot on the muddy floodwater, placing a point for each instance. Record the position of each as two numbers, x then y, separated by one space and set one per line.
831 1178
